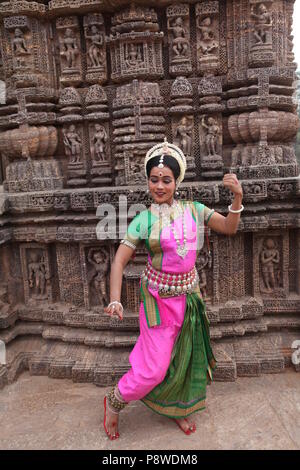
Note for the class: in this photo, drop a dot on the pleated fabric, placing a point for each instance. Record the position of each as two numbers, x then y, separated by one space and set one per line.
183 390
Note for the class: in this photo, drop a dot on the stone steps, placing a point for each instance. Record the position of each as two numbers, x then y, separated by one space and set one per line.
114 337
252 356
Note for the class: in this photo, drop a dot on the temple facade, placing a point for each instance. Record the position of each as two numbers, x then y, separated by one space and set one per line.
91 85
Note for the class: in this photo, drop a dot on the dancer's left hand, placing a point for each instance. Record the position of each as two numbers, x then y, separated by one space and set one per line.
231 182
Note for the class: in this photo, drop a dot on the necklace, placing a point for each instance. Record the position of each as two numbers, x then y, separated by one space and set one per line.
165 212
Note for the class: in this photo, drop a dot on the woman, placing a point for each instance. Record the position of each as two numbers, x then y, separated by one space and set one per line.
172 361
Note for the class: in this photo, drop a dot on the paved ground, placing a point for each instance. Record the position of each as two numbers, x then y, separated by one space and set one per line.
251 413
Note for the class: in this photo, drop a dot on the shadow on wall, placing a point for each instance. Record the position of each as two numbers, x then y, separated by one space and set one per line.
2 92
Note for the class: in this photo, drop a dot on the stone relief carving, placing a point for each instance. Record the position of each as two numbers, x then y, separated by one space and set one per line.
73 144
96 48
69 50
98 258
270 270
179 39
208 37
263 24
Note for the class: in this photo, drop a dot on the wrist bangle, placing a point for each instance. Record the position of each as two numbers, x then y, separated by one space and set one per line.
115 302
235 211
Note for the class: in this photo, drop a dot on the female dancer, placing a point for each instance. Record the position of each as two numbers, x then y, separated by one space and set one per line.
172 361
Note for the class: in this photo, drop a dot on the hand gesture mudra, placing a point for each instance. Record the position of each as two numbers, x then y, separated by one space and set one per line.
114 309
231 182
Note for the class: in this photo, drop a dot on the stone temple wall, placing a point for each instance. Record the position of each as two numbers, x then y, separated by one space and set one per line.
90 86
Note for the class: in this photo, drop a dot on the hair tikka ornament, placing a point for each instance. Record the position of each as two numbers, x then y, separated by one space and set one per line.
165 148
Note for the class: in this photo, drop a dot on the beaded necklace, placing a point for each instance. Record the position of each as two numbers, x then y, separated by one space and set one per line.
165 212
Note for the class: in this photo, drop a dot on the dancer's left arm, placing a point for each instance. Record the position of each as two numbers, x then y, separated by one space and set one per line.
229 224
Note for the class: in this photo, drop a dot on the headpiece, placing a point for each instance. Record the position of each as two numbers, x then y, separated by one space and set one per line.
165 148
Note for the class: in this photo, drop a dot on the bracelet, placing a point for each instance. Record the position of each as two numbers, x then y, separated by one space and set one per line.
115 302
236 211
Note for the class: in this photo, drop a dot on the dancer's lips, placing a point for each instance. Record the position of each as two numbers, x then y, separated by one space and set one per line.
160 194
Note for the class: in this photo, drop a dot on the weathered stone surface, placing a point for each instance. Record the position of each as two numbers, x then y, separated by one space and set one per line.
252 413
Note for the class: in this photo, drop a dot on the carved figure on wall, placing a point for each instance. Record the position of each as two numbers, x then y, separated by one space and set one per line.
133 54
99 258
73 144
37 275
94 52
180 43
183 135
99 141
208 41
211 138
19 44
269 258
262 28
136 173
69 48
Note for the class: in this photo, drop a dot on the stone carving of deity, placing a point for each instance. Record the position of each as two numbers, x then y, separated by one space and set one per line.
133 54
94 52
99 142
73 144
208 43
183 135
262 28
212 132
99 259
69 48
269 258
37 275
19 44
180 43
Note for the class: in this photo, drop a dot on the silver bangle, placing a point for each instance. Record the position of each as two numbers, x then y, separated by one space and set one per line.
235 211
115 302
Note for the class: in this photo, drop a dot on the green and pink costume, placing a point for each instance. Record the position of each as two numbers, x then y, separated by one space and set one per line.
172 361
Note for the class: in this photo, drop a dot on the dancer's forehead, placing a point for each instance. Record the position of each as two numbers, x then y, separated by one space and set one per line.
161 172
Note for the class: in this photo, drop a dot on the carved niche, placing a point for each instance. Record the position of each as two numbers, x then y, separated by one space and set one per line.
261 51
271 264
22 40
36 273
178 17
135 44
95 48
95 263
69 50
208 41
98 129
139 123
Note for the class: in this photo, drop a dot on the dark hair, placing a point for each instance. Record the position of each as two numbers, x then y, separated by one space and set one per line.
169 161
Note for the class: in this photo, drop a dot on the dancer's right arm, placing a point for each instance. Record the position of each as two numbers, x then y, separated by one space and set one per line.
121 259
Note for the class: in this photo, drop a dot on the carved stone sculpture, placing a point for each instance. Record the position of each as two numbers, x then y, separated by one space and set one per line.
90 86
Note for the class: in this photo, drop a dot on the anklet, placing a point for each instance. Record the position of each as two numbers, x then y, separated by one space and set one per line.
114 402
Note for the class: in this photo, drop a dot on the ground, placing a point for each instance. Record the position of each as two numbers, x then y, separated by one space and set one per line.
251 413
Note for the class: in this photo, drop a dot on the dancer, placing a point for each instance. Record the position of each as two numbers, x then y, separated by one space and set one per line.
172 360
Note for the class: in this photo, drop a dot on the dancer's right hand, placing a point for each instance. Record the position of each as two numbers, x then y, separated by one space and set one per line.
114 311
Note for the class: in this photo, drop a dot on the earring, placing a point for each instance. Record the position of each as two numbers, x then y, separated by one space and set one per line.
177 193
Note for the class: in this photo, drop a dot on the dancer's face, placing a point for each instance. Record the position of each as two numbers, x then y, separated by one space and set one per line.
162 185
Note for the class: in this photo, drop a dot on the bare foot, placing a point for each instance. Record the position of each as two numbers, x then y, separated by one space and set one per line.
191 423
111 421
184 425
